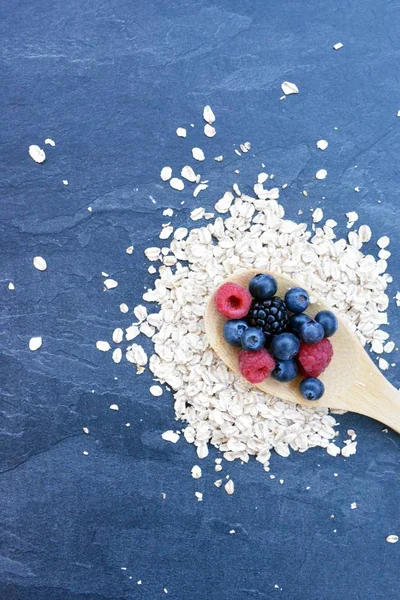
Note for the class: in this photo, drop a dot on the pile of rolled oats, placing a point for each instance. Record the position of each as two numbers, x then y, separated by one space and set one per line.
217 406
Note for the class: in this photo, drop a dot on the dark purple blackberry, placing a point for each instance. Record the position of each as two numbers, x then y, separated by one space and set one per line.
269 315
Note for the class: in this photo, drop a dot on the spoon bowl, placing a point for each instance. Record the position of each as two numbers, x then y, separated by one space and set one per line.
352 381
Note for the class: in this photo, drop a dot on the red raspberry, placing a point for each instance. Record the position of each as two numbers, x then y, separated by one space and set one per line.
256 366
314 358
233 301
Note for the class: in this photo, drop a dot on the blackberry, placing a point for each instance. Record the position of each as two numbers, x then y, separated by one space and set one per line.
269 315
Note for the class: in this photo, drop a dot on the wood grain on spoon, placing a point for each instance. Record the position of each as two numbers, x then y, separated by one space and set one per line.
352 381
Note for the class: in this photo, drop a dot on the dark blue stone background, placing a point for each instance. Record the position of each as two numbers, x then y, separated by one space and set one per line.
109 82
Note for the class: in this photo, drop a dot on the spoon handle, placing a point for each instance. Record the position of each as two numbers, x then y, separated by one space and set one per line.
377 398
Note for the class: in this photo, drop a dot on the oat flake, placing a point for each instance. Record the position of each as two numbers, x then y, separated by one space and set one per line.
170 436
208 115
156 390
322 144
181 132
198 154
289 88
392 539
39 263
166 173
321 174
37 154
35 343
209 130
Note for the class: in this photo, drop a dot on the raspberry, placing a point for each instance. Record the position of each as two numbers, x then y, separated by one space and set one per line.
314 358
233 301
256 366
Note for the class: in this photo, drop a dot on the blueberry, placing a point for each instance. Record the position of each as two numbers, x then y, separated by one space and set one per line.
296 321
233 331
285 370
311 333
253 338
263 286
328 320
312 388
297 300
284 346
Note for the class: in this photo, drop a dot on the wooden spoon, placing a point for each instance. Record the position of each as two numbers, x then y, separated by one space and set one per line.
352 381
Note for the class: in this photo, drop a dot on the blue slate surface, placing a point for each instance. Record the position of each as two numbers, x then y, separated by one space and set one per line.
110 82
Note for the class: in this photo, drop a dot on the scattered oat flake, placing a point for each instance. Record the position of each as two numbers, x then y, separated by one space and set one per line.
35 343
199 496
198 154
168 212
262 178
238 152
353 505
337 46
218 468
199 188
117 355
85 453
39 263
317 215
332 449
389 347
229 487
188 173
322 144
397 298
177 184
170 436
110 284
218 483
352 217
219 158
103 346
156 390
124 308
181 132
118 335
197 214
209 130
180 233
364 233
196 472
349 449
136 354
383 241
65 181
208 114
11 286
50 142
321 174
114 407
36 153
152 253
236 189
85 430
224 204
392 539
166 173
383 364
289 88
166 232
